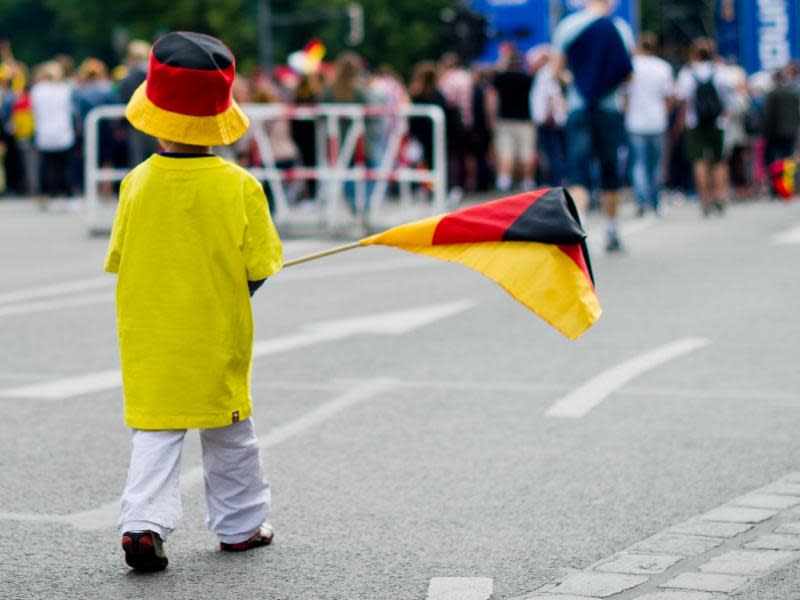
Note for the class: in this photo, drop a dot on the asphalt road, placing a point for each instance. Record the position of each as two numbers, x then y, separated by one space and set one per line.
416 445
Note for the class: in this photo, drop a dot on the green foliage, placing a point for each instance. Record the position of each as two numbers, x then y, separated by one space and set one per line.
398 32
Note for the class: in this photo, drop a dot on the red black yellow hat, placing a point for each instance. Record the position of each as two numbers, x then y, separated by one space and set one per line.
187 95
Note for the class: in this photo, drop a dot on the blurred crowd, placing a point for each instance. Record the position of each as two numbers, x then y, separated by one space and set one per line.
507 124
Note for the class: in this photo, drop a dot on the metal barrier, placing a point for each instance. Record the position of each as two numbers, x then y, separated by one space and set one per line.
348 189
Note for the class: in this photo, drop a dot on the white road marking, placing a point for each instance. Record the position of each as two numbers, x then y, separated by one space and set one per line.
105 515
23 308
57 289
579 402
787 238
17 303
388 323
67 387
460 588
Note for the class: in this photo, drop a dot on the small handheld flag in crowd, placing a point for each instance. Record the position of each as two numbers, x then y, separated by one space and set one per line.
783 174
531 244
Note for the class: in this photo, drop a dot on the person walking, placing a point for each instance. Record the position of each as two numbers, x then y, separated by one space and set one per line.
138 145
549 112
650 93
781 119
703 93
53 115
192 241
596 49
514 134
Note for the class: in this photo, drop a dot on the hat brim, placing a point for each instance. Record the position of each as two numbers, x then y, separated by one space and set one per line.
217 130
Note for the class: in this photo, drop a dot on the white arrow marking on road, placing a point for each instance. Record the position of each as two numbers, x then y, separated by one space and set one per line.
787 238
105 515
389 323
460 588
580 401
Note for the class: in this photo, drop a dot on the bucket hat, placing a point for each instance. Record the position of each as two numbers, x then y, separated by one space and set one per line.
187 97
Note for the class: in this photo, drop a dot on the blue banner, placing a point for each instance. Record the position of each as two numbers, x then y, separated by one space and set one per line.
528 23
769 33
524 23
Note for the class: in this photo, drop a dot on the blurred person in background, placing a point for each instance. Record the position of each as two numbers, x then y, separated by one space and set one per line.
704 100
736 140
13 81
307 92
51 102
650 92
549 113
346 88
385 89
279 134
424 89
139 145
514 134
7 98
595 48
484 110
781 119
456 85
94 89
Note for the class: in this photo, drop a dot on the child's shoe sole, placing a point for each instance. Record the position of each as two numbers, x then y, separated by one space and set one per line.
144 551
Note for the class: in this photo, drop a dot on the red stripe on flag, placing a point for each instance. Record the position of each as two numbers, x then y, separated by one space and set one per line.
576 254
485 222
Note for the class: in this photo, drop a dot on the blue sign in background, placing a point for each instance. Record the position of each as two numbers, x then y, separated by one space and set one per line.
528 23
768 33
525 23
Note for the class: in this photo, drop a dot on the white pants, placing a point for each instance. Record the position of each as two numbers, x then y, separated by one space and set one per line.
237 492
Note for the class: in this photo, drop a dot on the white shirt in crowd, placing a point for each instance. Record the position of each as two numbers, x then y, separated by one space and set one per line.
51 102
687 84
547 102
650 87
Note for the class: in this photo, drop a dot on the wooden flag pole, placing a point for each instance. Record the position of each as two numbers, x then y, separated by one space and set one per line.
323 253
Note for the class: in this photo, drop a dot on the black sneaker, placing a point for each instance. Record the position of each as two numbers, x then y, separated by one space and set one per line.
144 551
262 537
720 207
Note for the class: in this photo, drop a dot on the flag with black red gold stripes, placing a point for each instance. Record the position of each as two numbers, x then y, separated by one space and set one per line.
532 244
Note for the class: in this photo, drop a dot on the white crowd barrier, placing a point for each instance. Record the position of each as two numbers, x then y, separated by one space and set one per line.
348 187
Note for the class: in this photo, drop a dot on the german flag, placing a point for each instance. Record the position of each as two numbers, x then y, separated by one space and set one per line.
531 244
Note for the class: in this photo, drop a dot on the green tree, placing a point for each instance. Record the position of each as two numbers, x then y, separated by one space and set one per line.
398 32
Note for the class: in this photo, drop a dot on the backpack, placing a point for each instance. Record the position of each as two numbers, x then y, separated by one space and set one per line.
707 102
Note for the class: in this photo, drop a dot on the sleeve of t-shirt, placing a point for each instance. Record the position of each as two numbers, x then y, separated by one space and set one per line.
263 254
118 231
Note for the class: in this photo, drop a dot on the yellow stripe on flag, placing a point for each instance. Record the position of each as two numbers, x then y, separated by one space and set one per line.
417 233
540 276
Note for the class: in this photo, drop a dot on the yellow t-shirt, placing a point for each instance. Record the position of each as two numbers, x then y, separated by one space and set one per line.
188 235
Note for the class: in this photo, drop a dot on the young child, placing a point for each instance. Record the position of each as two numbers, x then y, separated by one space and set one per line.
192 236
